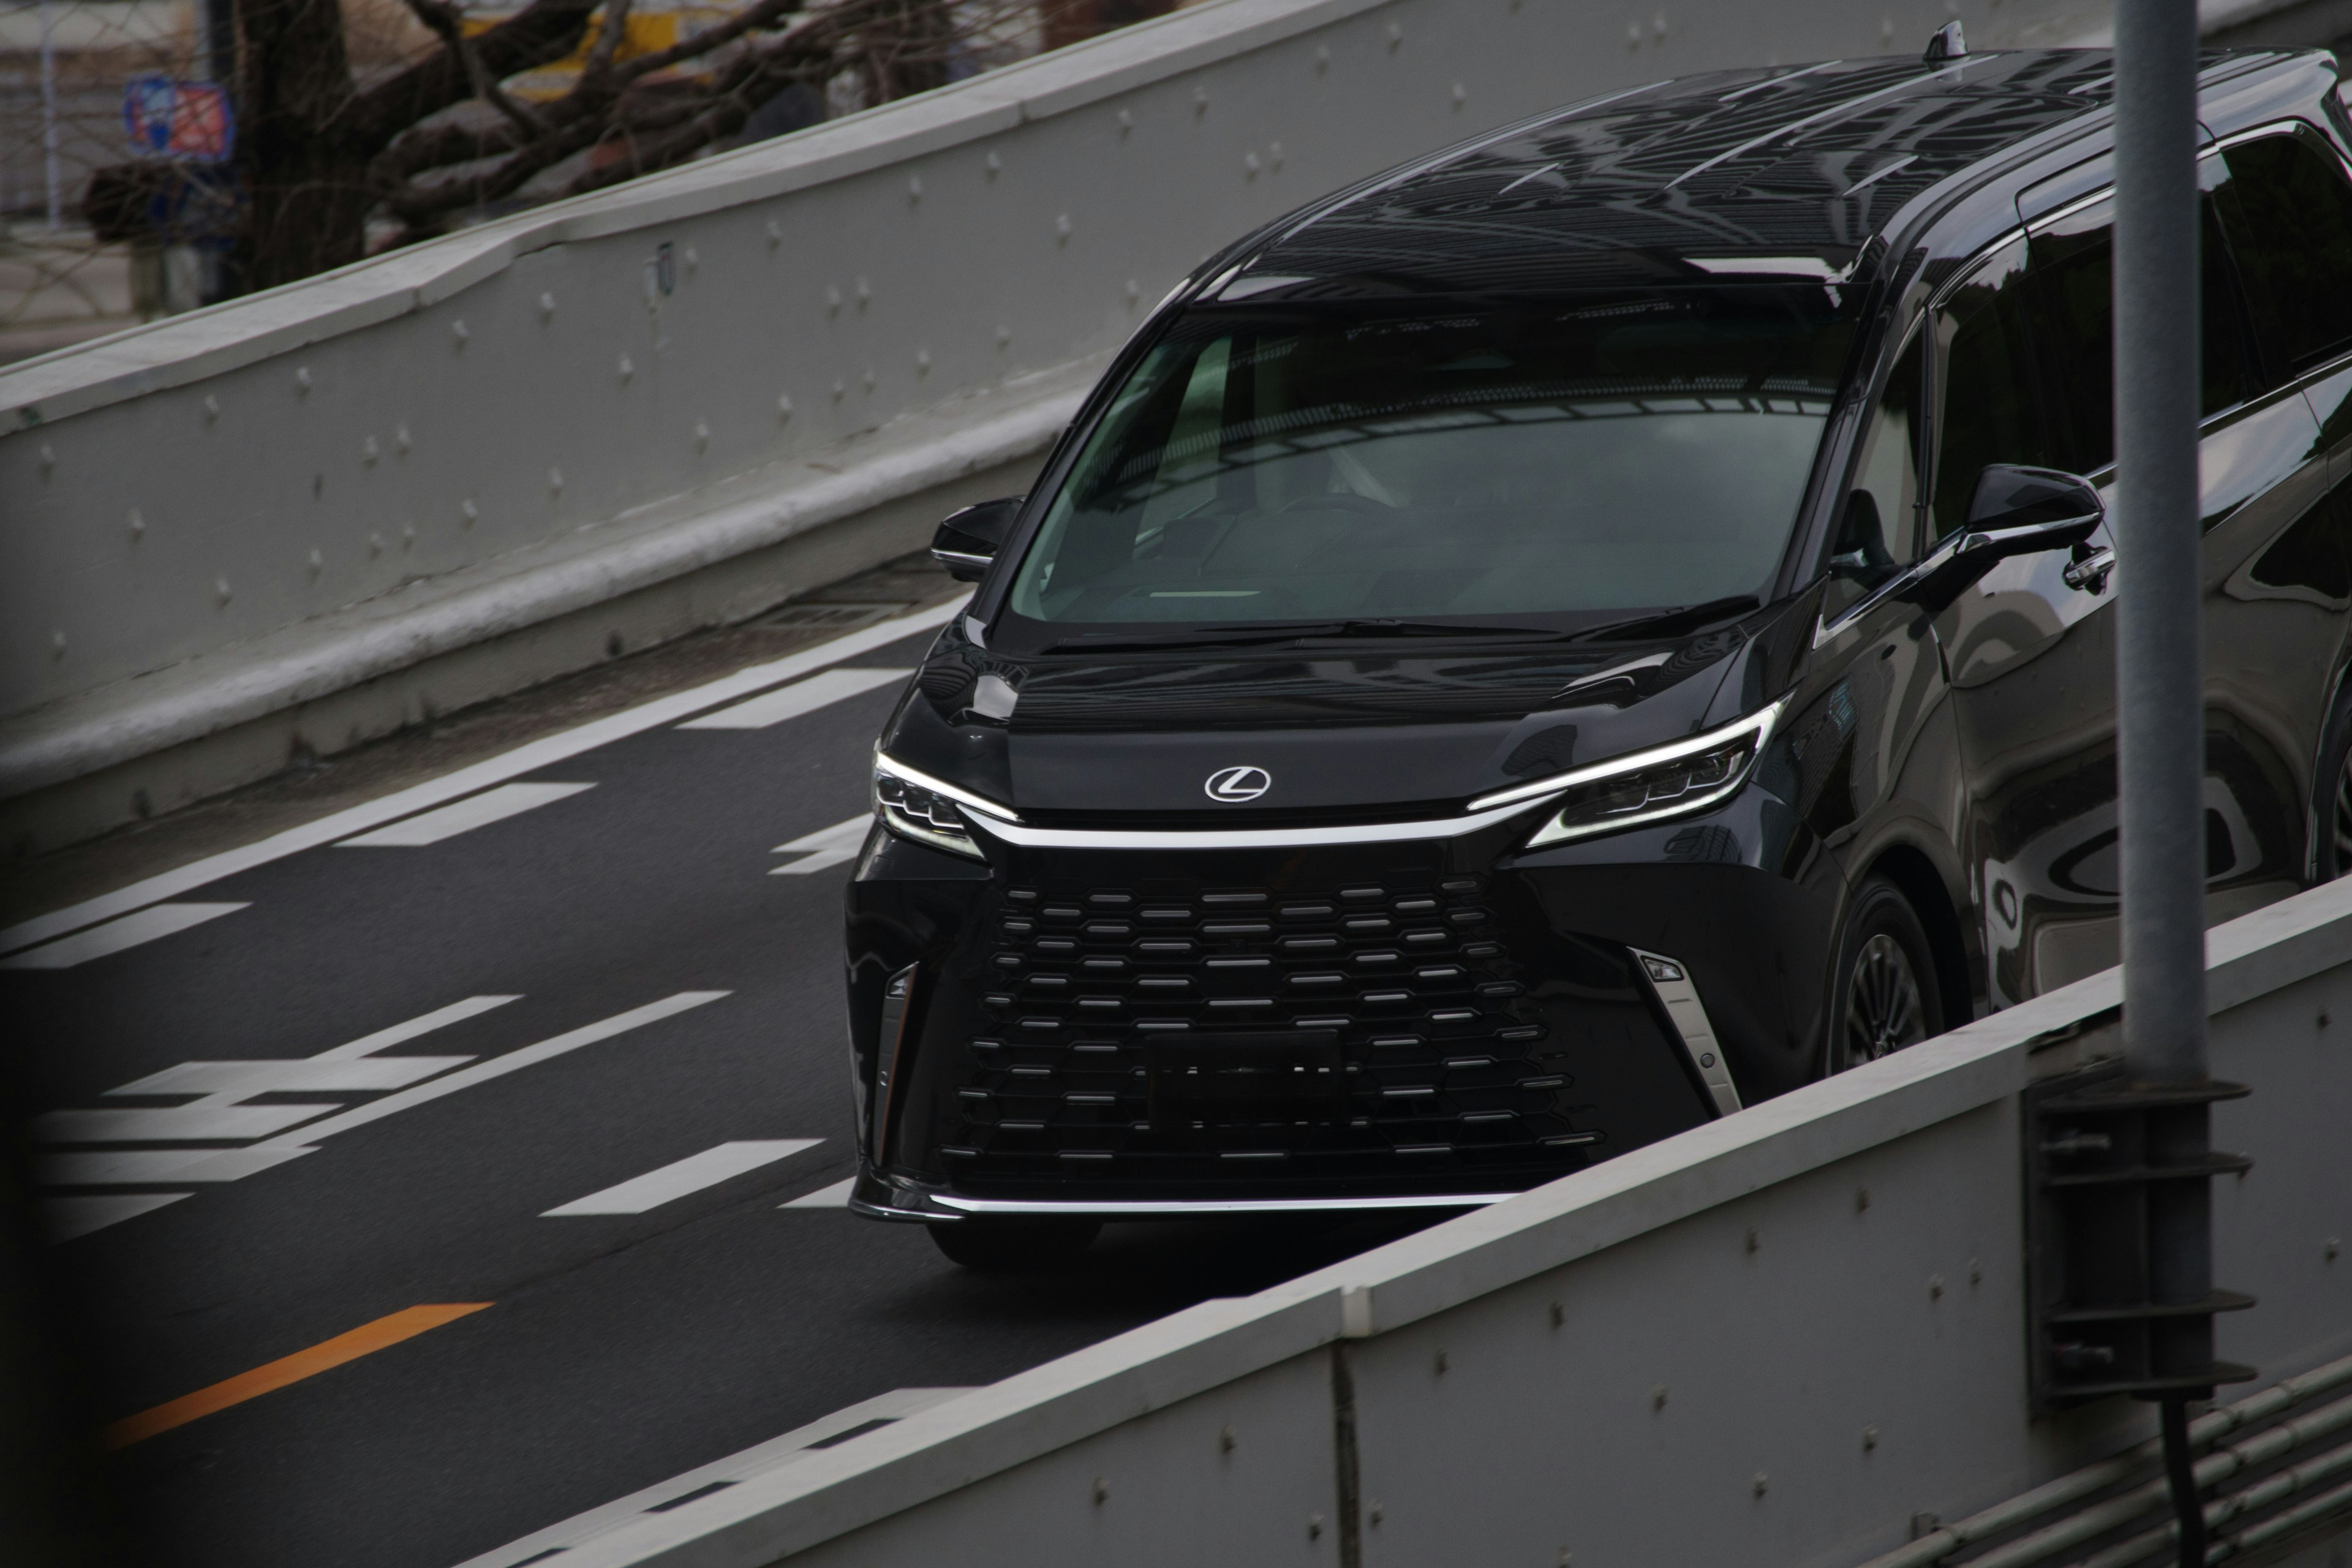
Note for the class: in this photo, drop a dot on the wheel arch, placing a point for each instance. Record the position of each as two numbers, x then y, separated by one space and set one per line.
1924 886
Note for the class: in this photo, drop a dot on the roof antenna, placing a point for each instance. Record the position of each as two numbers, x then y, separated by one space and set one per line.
1946 44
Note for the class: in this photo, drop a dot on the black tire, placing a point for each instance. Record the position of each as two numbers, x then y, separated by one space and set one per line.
1008 1244
1886 997
2331 817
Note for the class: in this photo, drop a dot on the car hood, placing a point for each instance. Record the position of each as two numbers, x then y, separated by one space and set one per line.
1378 731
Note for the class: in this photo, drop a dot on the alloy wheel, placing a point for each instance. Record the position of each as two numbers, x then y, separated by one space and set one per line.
2342 826
1883 1009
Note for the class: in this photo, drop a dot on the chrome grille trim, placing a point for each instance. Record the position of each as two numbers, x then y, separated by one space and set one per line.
1029 836
1211 1205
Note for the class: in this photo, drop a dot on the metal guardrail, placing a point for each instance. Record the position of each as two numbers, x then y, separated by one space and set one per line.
1795 1335
246 509
2134 1490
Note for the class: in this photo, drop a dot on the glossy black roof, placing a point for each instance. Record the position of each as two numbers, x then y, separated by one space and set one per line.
1800 163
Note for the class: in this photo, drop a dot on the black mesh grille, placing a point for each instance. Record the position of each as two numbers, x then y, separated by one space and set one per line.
1374 1031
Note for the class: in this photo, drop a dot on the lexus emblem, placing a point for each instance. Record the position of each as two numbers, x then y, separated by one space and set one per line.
1238 784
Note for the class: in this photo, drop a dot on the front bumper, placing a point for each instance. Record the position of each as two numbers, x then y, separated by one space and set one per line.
1407 1023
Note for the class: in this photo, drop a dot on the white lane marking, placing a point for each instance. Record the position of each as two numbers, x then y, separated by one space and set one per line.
836 1196
496 1067
825 848
543 753
680 1177
423 1024
162 919
771 1455
150 1167
68 1218
474 811
360 1074
801 697
219 1116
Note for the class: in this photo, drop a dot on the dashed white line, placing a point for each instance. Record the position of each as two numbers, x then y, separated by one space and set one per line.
681 1177
219 1117
162 919
496 1066
825 1432
68 1218
825 847
149 1167
543 753
465 816
836 1196
423 1024
801 697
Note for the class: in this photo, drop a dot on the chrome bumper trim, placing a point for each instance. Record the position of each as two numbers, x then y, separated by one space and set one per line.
1238 1206
1670 979
1029 836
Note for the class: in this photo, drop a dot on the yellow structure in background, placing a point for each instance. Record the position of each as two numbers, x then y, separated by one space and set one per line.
651 26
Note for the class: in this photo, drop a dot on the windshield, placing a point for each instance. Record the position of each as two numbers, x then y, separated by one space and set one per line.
1569 460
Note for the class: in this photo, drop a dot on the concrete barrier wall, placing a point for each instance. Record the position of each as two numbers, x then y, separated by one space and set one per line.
1774 1339
233 514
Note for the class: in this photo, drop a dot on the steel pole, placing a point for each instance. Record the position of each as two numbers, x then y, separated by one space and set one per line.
219 51
49 118
2159 681
2159 641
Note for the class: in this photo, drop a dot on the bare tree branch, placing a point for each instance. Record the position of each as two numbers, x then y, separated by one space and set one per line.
445 20
539 34
617 25
750 18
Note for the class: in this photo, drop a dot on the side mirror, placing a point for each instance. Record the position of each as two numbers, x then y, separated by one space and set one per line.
969 538
2014 511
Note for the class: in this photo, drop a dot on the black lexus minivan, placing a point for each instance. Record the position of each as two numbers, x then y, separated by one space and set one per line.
1585 632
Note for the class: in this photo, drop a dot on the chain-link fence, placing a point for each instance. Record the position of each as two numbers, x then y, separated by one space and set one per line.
156 154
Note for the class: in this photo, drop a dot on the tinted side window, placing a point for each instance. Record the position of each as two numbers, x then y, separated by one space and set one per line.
1990 408
2293 224
2073 307
1878 528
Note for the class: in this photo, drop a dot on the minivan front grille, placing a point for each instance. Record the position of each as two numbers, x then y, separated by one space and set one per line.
1375 1031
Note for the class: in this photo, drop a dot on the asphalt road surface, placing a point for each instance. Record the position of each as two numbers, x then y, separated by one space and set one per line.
469 1158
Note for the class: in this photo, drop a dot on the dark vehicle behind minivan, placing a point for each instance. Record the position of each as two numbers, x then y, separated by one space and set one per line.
1589 631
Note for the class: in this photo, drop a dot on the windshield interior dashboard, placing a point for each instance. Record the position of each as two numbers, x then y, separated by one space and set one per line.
1482 470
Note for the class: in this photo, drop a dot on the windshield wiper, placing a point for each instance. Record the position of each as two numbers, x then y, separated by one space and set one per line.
1306 631
1666 622
1352 630
1227 636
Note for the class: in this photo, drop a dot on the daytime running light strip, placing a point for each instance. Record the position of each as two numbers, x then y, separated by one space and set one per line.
1760 722
897 769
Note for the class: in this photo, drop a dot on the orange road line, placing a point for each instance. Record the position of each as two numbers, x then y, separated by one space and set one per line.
407 1323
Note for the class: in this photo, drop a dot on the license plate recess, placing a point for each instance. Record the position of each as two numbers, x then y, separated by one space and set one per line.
1228 1080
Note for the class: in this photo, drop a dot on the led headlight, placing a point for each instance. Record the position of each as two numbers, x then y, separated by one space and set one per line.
1645 786
913 805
